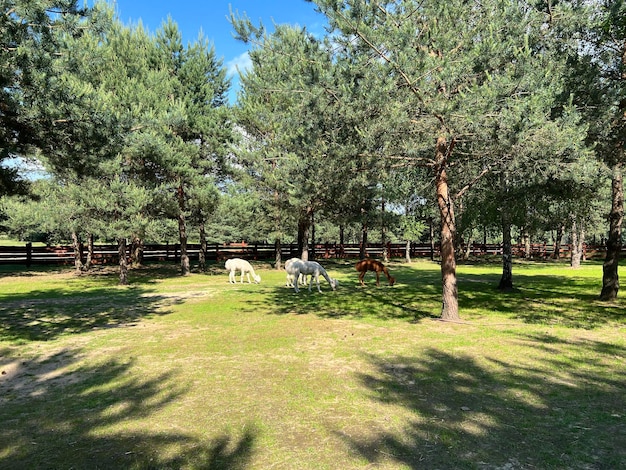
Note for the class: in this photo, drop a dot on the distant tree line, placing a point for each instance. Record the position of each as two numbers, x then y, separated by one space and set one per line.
409 120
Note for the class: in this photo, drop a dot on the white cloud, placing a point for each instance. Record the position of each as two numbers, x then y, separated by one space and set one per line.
240 63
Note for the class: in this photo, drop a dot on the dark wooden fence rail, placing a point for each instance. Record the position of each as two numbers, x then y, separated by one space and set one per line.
107 254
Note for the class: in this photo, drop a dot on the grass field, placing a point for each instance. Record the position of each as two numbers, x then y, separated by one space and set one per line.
195 373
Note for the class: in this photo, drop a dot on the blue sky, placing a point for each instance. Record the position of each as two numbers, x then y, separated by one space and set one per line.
211 17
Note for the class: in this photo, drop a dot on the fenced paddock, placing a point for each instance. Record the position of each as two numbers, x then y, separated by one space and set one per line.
29 255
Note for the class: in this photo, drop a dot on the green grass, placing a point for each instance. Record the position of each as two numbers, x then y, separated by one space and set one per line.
197 373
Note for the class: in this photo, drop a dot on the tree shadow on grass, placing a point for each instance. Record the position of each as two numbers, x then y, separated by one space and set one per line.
60 412
46 313
493 414
542 299
351 300
564 300
42 315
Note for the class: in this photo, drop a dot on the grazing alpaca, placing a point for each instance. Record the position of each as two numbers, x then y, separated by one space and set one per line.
235 264
366 265
290 278
312 268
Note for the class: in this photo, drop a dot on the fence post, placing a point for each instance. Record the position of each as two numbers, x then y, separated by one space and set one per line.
29 254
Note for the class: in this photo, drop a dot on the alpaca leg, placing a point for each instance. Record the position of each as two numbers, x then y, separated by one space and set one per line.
377 279
231 277
361 276
295 284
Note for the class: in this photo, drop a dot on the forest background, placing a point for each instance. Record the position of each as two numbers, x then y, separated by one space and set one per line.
500 120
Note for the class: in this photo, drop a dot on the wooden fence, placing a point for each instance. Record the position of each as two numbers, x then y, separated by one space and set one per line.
107 254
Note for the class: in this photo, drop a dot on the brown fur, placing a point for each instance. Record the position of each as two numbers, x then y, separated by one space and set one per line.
366 265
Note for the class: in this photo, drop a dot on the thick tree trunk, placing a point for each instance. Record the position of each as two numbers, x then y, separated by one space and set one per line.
610 277
450 296
182 233
121 251
506 281
203 248
78 253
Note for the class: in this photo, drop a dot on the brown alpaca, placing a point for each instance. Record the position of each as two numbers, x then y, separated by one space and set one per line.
366 265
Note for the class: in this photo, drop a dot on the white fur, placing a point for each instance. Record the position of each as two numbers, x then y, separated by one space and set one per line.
312 268
242 265
290 277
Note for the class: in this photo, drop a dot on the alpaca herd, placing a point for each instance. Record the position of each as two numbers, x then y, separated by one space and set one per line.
298 270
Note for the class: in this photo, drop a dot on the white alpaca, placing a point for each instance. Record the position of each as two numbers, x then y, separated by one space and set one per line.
242 265
312 268
290 277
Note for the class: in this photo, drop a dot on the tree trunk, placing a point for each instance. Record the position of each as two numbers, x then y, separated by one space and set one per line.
506 281
203 248
136 252
278 250
303 236
527 245
89 259
383 233
610 277
312 230
78 253
184 256
558 241
468 247
121 251
407 251
278 254
577 245
363 247
182 233
450 296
